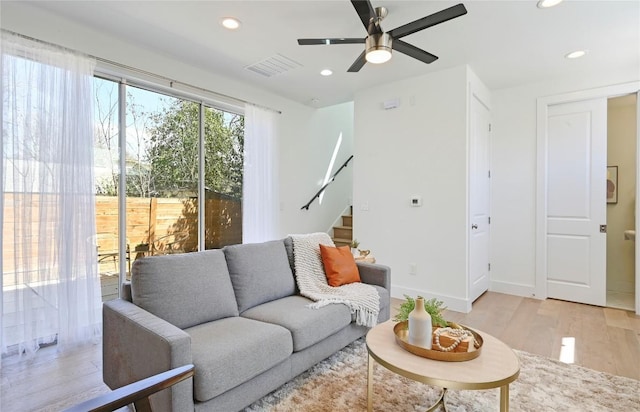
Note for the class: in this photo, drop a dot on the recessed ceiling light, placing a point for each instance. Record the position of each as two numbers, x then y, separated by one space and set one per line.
231 23
545 4
326 72
575 54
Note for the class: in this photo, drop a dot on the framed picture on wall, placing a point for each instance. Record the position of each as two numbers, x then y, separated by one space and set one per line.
612 184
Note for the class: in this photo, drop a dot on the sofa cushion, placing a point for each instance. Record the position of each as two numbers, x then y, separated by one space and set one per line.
184 289
228 352
288 246
259 272
307 326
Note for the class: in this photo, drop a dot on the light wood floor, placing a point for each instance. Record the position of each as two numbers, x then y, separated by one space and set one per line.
606 339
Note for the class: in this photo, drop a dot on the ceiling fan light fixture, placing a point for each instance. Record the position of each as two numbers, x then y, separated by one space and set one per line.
378 48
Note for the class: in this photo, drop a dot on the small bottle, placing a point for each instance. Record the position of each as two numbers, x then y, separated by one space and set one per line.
420 325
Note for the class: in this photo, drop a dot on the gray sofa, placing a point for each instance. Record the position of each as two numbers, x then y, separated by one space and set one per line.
235 314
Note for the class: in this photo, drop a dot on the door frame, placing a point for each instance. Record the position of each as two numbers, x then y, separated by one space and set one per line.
543 104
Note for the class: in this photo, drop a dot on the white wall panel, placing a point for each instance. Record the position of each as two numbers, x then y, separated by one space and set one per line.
417 149
574 270
569 161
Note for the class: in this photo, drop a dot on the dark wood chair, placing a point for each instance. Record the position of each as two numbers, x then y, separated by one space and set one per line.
170 244
136 393
107 246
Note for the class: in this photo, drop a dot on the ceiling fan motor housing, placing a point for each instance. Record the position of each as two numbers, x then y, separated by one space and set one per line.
378 43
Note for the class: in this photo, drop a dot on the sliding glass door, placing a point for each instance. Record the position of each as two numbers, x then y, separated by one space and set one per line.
163 151
106 175
224 148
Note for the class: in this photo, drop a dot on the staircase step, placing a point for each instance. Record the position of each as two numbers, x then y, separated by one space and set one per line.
341 242
347 220
343 232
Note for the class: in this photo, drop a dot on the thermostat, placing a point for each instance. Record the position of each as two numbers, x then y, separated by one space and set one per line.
416 201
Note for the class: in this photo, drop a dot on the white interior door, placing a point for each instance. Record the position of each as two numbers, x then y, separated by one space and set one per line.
576 201
479 200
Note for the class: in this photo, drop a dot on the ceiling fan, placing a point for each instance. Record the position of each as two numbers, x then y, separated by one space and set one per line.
378 43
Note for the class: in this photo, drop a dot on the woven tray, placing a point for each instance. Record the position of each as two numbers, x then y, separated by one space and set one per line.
401 331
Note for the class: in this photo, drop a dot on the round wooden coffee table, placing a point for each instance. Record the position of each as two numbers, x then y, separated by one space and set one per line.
496 367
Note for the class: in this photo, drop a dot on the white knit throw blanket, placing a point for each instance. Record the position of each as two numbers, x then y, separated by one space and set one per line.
362 299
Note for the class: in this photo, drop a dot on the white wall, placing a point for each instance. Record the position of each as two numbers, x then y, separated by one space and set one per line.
306 136
419 148
513 174
307 159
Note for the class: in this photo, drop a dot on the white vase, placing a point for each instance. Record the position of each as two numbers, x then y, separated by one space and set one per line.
420 332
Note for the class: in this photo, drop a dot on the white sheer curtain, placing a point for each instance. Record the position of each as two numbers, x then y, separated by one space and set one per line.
260 192
50 285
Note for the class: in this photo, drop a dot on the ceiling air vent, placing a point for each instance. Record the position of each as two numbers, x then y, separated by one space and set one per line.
274 65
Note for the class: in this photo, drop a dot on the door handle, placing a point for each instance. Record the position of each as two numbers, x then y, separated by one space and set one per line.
474 226
603 228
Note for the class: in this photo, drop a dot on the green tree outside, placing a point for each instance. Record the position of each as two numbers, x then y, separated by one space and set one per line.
162 147
173 150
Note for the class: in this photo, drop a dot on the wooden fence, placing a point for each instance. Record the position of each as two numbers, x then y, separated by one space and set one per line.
149 221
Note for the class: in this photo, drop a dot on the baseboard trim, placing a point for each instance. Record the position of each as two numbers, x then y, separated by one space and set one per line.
464 305
451 302
514 289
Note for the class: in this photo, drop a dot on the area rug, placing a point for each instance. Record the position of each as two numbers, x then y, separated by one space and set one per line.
339 383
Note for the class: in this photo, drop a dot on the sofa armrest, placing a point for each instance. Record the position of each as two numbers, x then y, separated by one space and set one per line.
375 274
136 393
137 345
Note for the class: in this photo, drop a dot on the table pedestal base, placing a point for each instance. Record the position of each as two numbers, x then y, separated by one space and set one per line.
439 402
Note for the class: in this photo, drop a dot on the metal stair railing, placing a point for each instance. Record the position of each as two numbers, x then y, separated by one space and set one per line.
331 179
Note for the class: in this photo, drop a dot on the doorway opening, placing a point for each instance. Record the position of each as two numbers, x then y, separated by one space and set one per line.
621 200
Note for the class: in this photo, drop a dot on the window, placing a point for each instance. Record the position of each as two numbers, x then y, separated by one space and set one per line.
162 176
224 147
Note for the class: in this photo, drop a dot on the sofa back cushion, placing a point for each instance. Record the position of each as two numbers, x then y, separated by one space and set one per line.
184 289
288 246
259 273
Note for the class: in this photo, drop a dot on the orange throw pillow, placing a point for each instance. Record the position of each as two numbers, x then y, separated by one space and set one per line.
339 265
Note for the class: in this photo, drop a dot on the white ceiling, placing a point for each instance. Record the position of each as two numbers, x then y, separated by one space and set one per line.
506 43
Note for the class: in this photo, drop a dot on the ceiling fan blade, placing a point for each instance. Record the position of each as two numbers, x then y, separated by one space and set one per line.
307 42
357 65
365 11
413 51
428 21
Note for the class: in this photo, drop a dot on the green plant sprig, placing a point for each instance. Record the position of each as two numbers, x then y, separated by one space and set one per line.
433 306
